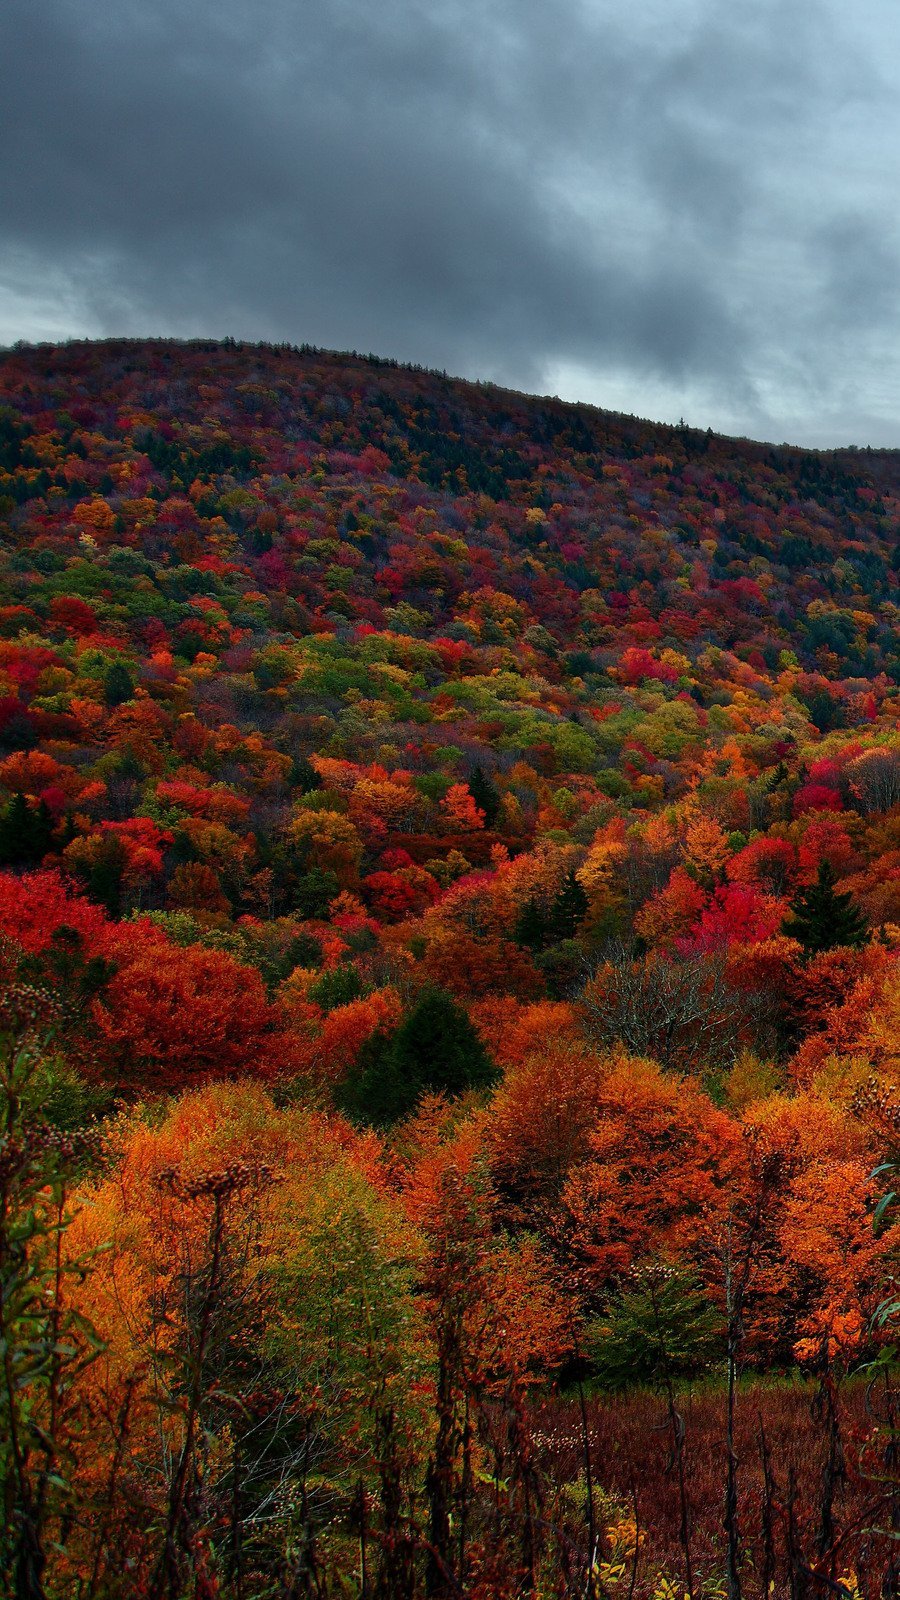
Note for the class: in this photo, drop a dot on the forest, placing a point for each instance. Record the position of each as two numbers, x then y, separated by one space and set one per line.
449 991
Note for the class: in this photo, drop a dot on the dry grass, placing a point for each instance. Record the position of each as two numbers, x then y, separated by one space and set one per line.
631 1449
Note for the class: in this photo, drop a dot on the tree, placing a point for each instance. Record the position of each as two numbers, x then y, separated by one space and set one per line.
117 684
568 909
536 927
531 926
661 1161
485 794
100 859
171 1017
461 808
470 966
706 850
313 892
26 832
46 1343
822 919
329 842
662 1330
435 1050
662 1321
195 887
684 1013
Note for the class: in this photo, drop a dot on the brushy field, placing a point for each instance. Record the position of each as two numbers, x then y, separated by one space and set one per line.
787 1476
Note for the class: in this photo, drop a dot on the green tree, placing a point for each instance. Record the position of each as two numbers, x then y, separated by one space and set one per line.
822 919
661 1327
436 1050
661 1330
531 926
536 927
485 794
26 832
118 685
45 1344
568 909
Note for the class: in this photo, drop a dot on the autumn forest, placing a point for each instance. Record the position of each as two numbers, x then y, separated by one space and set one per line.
449 992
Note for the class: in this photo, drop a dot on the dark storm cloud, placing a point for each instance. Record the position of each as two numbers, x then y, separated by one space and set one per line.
641 203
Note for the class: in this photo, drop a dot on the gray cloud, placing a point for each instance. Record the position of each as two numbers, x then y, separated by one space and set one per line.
674 208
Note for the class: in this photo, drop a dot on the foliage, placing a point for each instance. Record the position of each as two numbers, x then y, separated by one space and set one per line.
660 1325
822 919
514 789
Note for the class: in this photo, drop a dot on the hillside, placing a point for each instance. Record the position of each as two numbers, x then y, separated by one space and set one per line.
450 874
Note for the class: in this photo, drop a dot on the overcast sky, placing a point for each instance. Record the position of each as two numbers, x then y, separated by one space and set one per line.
670 207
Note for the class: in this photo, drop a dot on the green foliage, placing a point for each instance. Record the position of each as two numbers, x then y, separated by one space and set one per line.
303 775
822 919
347 1306
312 893
60 1097
45 1342
118 685
485 794
661 1328
536 928
435 1050
337 987
26 832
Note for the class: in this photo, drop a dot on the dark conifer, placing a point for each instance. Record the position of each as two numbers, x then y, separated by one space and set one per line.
822 919
485 794
26 832
531 926
568 909
435 1050
117 684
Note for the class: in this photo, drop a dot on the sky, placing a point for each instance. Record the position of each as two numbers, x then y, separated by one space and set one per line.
674 208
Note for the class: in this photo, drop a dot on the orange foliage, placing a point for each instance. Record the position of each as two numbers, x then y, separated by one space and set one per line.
469 966
659 1164
346 1029
672 912
539 1124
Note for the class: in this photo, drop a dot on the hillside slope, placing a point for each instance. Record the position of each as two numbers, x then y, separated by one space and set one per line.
449 941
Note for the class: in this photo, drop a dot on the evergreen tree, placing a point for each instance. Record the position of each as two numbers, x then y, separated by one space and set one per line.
438 1047
568 909
436 1050
117 684
485 794
531 926
105 874
536 928
26 832
303 775
822 919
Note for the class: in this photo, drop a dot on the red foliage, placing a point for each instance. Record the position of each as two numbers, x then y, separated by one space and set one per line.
171 1017
738 913
35 907
816 797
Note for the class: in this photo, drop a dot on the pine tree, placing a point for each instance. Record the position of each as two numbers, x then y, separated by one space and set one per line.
117 684
822 919
26 832
106 873
531 926
485 794
568 909
438 1045
436 1050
